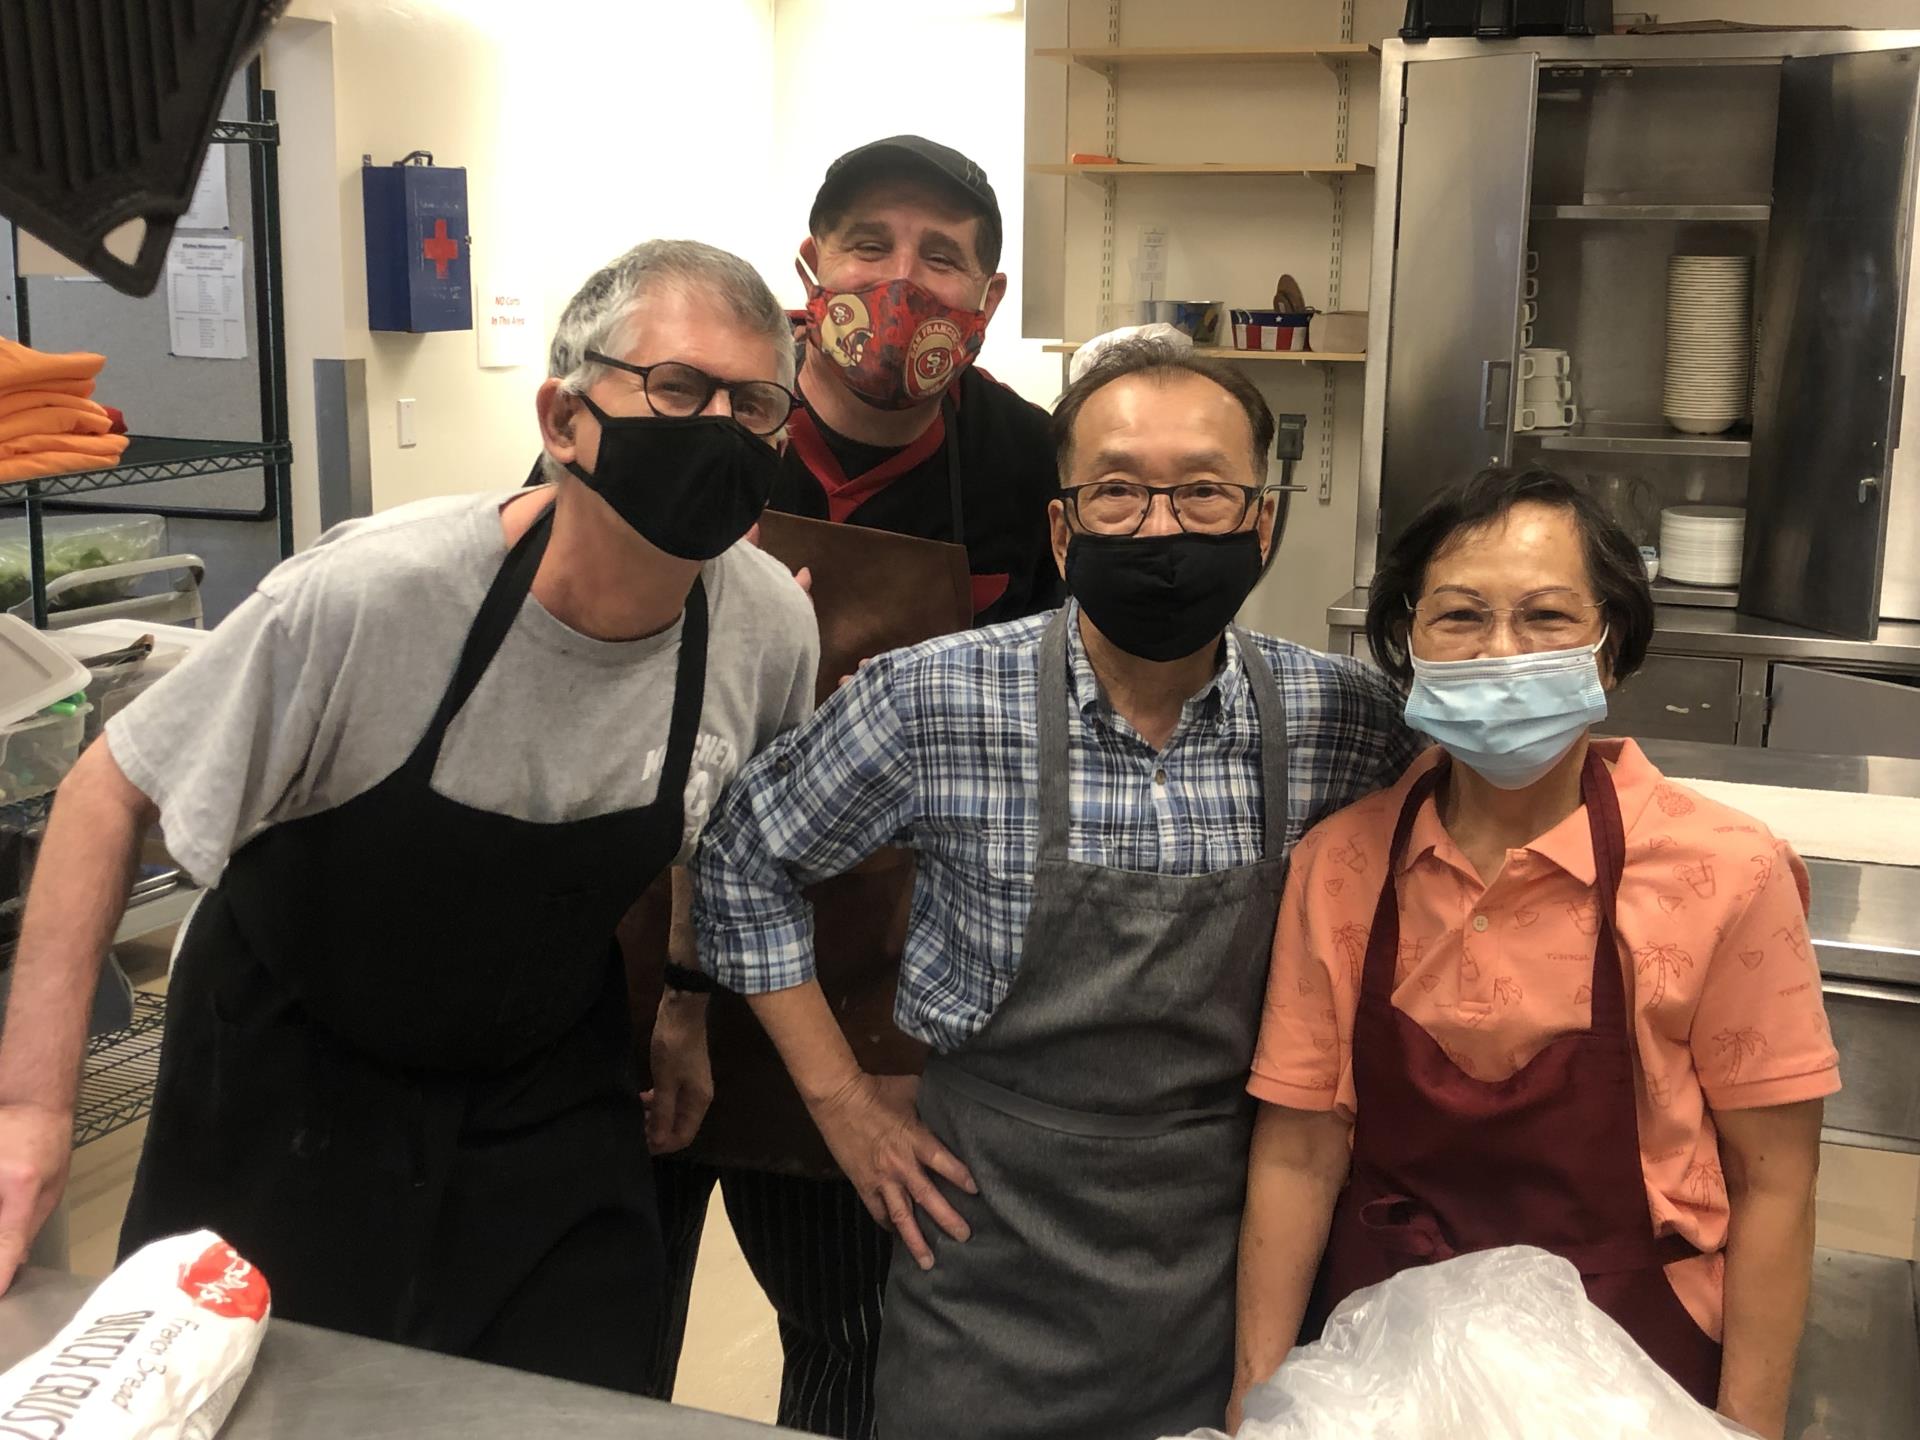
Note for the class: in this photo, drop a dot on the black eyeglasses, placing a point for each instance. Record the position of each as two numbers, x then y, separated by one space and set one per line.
1119 507
679 390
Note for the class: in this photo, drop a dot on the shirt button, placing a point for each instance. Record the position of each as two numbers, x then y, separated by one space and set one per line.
1160 776
1480 923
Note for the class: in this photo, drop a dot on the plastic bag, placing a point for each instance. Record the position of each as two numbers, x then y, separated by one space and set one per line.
1497 1345
159 1352
1085 357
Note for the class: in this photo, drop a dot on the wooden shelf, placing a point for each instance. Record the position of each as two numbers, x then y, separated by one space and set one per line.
1105 57
1227 352
1317 172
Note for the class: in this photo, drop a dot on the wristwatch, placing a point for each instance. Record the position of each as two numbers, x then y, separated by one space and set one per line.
690 982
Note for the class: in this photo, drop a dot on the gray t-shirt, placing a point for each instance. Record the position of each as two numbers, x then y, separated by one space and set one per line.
319 686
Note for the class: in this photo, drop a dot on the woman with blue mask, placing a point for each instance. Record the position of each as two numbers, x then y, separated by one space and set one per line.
1535 993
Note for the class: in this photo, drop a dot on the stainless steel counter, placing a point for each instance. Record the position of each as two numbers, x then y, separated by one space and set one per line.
1865 918
1859 1372
313 1384
1859 1375
1688 629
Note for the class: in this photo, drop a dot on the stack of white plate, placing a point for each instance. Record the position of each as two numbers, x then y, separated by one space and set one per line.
1701 544
1709 341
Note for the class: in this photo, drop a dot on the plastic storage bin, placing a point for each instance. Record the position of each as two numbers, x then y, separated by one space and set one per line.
114 687
36 753
78 542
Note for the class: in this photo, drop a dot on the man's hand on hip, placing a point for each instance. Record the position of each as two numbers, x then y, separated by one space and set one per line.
874 1131
36 1144
682 1073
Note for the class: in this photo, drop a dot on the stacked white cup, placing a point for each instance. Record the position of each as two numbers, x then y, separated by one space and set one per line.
1544 396
1546 390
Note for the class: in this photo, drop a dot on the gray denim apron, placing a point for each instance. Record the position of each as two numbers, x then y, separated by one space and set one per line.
1103 1112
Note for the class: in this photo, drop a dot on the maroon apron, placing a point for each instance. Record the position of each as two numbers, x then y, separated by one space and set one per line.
1444 1164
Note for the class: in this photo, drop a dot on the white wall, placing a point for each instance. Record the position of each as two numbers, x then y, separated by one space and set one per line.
1230 239
585 126
299 65
956 78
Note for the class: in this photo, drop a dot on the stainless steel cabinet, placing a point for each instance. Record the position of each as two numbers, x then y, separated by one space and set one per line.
1832 312
1678 697
1603 158
1465 154
1876 1029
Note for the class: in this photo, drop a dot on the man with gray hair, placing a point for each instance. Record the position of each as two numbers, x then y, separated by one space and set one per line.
423 771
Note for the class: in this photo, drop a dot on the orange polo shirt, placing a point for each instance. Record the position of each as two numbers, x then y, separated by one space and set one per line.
1721 976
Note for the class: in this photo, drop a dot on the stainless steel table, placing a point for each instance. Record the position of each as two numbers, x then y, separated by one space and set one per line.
313 1384
1859 1377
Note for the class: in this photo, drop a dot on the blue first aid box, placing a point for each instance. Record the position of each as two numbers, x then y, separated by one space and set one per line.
419 261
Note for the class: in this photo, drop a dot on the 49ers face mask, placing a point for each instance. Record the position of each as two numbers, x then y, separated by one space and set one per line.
896 344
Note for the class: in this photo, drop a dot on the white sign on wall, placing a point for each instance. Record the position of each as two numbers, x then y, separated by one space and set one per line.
507 329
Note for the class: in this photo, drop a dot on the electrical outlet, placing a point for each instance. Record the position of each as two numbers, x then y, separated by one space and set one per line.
403 423
1290 437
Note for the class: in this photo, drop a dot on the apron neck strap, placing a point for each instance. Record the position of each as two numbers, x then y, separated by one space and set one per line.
512 583
689 694
1381 963
1055 778
1272 710
1609 862
950 444
1053 755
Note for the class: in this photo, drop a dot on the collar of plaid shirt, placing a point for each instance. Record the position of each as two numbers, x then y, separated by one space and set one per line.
1213 702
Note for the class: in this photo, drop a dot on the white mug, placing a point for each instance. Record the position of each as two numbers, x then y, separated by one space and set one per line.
1529 312
1526 336
1546 390
1546 417
1545 362
1530 287
1533 261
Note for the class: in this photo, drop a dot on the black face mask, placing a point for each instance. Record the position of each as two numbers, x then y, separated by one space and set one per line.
689 486
1162 597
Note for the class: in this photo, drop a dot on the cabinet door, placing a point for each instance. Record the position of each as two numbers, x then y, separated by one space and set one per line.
1677 697
1829 712
1832 309
1466 174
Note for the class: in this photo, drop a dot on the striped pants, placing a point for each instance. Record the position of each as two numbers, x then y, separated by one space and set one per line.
822 1262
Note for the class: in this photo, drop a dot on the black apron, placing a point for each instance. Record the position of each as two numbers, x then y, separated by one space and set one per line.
396 1073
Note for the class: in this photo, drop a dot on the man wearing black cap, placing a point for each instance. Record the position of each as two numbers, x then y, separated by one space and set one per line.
897 431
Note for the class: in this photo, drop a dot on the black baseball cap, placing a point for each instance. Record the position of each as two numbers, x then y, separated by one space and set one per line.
941 163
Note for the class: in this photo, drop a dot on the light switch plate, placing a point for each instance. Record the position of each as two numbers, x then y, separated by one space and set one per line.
403 423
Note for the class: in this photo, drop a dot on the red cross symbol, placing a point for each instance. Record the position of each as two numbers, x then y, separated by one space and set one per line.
440 248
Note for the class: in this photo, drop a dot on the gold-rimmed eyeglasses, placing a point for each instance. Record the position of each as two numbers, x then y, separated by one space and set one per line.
1548 620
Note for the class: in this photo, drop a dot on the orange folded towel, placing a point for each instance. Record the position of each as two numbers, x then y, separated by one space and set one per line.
47 392
75 417
21 367
37 455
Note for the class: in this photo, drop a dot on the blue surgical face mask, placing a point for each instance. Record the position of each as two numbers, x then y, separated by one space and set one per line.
1509 718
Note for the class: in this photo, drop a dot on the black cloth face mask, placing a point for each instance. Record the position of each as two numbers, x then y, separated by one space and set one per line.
1163 597
690 486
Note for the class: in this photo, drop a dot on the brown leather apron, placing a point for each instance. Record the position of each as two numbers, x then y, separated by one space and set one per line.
872 591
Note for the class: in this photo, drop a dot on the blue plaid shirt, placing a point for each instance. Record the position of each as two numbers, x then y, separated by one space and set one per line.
934 748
